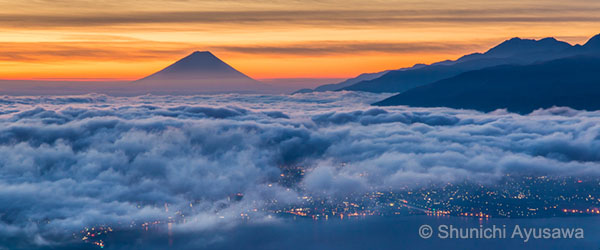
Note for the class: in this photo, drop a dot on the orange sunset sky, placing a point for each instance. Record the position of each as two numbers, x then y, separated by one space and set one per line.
128 39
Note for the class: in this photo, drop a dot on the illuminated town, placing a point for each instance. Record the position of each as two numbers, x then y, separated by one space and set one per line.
513 197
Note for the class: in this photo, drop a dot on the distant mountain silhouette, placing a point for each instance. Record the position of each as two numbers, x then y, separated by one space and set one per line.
513 51
572 82
525 49
199 72
343 84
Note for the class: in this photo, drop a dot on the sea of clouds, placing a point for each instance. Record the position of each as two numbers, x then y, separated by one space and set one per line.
67 162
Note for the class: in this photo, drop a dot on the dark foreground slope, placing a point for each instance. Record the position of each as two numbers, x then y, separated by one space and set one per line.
572 82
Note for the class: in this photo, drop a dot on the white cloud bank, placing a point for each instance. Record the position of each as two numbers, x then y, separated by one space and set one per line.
70 162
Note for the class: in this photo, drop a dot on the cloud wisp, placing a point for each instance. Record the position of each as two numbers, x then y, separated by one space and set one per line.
303 17
137 51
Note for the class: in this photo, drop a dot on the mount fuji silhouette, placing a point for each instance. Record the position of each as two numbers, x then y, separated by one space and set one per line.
200 72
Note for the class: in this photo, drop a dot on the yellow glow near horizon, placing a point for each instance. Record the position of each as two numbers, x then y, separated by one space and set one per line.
129 39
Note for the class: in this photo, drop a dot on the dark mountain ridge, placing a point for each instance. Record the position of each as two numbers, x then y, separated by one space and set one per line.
512 51
572 82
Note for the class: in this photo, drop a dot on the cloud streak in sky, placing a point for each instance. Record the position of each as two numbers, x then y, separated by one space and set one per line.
125 51
349 18
340 47
129 51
